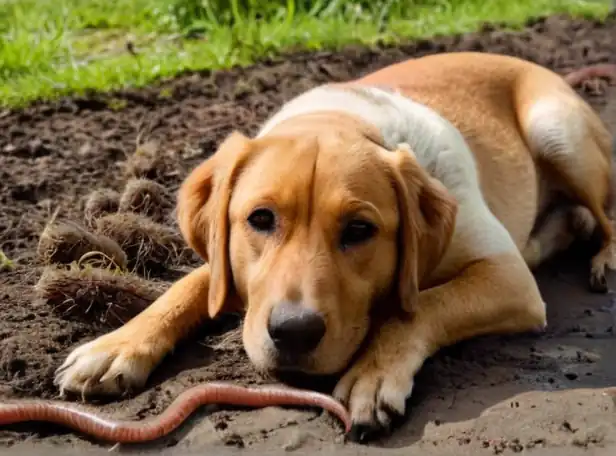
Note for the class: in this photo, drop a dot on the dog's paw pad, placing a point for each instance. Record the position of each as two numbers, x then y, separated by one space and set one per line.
110 365
362 432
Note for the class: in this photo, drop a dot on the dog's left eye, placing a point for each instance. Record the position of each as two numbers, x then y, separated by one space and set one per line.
356 232
262 220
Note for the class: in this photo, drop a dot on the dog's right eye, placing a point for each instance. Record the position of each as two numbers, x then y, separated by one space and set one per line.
356 232
262 220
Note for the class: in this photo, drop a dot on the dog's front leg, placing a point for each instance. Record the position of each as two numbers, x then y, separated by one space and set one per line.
123 359
494 295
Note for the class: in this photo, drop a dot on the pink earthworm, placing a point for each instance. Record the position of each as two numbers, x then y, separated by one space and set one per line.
600 70
179 410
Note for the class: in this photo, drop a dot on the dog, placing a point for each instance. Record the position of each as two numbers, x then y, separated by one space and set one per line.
372 222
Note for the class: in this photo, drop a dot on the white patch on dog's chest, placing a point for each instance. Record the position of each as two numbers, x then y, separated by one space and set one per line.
439 148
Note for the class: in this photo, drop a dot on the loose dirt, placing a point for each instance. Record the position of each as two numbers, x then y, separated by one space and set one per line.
487 396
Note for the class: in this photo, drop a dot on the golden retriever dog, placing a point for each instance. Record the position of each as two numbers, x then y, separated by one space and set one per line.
370 223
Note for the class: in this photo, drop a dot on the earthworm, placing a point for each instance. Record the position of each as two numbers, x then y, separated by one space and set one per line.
185 404
600 70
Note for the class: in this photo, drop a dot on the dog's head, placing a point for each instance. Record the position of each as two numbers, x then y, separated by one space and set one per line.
309 232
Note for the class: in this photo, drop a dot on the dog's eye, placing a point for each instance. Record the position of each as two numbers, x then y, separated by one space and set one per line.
262 220
356 232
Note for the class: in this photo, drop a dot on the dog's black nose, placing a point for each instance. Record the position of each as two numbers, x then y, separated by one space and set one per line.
294 328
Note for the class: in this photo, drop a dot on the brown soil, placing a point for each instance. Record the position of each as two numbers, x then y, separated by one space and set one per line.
486 396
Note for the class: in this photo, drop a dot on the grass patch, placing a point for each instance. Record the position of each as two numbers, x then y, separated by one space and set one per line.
55 47
6 264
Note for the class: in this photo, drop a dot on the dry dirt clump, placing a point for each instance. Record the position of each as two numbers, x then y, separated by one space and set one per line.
146 197
151 162
66 242
100 203
104 296
87 275
148 245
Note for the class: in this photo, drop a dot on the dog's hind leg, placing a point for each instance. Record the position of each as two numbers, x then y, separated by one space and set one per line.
561 226
551 236
573 147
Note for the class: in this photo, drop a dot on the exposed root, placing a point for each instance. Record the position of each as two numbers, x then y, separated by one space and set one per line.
228 341
148 245
67 242
103 296
99 204
146 197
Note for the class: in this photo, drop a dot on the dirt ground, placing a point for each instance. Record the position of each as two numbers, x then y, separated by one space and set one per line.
487 396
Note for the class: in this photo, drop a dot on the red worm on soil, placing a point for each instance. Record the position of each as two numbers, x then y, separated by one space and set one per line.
600 70
185 404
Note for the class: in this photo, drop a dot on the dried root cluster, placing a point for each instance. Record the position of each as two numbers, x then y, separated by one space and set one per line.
96 271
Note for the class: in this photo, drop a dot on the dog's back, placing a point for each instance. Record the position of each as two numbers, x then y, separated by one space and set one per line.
489 99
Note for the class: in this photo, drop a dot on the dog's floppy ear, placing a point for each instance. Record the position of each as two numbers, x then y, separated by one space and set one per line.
427 220
202 209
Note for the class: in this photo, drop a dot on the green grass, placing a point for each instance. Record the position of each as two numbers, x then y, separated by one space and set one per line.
54 47
6 264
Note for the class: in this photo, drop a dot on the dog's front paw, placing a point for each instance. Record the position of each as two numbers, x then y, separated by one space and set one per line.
376 389
110 365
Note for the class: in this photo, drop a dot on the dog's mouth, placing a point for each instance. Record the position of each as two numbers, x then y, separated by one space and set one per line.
285 362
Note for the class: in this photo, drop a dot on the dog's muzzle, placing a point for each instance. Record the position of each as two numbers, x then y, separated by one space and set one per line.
295 330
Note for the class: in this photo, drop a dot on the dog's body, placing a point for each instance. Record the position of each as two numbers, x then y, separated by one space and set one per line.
400 209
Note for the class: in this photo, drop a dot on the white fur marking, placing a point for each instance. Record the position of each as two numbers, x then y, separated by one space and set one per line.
555 129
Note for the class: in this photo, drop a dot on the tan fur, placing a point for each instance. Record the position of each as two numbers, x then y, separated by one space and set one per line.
495 295
453 161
